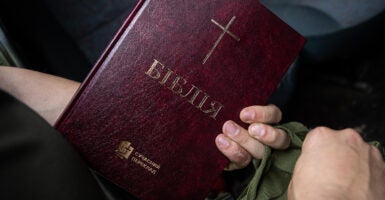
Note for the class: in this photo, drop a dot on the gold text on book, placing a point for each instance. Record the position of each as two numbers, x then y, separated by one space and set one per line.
177 84
125 150
225 30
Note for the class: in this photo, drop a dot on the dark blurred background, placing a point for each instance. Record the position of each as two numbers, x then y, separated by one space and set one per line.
338 79
343 92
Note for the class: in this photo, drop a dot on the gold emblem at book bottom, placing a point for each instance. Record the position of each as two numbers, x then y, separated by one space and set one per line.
124 149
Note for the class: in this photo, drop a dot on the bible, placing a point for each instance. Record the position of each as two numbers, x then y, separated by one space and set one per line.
147 114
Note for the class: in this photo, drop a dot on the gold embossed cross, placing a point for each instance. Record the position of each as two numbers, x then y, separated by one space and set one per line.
225 30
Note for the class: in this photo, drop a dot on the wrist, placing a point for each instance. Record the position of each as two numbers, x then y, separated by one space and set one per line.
4 81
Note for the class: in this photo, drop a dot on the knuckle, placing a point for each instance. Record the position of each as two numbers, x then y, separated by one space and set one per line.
322 130
267 114
376 153
242 159
273 136
317 134
352 136
264 116
245 162
241 139
351 133
276 113
279 139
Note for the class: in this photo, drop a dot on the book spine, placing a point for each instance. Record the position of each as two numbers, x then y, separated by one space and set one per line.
100 61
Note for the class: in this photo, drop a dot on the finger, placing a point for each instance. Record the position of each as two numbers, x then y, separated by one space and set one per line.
273 137
269 114
242 137
238 157
376 153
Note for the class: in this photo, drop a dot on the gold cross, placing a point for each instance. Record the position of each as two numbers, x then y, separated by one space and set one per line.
225 30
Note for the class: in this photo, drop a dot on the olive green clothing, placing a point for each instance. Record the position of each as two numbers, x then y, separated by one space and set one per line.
273 173
36 161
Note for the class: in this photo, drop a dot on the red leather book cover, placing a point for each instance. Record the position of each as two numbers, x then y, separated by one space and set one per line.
147 115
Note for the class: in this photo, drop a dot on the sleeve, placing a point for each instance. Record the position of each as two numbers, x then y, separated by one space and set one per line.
37 162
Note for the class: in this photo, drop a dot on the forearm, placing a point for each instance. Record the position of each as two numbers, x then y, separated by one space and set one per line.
46 94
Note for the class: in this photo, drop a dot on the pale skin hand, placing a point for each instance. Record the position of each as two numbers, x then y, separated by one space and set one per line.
338 165
48 95
240 146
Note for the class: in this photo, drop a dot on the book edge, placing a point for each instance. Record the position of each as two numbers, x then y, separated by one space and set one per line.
100 61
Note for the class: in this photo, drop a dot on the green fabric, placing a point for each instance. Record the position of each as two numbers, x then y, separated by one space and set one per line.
3 59
274 171
379 147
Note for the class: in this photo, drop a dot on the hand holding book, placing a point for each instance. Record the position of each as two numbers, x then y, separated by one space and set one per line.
254 115
38 95
240 146
171 77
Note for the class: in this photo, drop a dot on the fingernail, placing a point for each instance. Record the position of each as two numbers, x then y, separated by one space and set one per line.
223 142
258 130
248 115
231 129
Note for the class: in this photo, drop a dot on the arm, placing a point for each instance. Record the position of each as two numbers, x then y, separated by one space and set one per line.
48 95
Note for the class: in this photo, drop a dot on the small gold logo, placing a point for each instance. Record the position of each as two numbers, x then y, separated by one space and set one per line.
124 149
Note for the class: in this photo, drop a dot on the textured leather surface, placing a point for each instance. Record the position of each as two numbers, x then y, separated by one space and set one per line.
119 102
